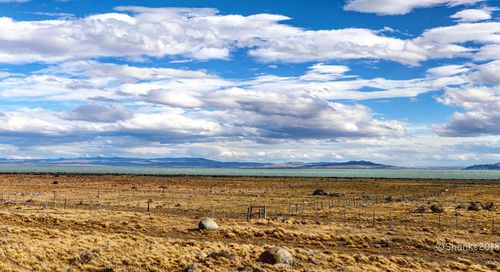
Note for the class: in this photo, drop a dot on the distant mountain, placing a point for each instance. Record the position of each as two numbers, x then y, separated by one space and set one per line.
335 165
493 166
190 162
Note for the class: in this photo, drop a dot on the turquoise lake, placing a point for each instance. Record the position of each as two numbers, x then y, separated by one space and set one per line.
375 173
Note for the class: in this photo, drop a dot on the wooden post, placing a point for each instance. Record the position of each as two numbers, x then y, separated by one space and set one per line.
422 220
373 219
493 225
249 213
54 199
474 222
302 213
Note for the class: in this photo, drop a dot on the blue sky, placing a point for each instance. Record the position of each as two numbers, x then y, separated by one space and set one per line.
412 83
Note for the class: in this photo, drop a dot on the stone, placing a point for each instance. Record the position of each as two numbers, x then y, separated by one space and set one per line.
208 224
435 208
420 209
489 206
320 192
475 206
221 254
277 255
192 267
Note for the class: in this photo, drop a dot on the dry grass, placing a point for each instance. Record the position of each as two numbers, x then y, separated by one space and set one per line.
339 237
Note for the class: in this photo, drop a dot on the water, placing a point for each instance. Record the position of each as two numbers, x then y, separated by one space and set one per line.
374 173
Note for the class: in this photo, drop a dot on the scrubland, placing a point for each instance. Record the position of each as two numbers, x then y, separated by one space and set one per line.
102 223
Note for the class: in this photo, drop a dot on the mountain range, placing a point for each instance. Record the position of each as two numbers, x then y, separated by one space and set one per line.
190 162
202 162
493 166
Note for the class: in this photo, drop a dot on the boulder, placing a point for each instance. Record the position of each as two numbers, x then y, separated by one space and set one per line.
435 208
192 267
420 209
320 192
277 255
475 206
336 194
207 224
489 206
221 254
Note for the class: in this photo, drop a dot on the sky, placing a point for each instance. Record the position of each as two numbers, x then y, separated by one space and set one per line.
408 83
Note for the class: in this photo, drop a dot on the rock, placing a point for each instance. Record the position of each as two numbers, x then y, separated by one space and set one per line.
475 206
249 268
277 255
192 267
489 206
420 209
335 194
461 206
208 224
108 269
435 208
221 254
320 192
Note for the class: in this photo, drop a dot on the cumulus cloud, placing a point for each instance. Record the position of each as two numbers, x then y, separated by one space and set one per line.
472 15
171 105
349 43
488 73
479 101
398 7
447 70
99 113
204 34
199 34
481 116
448 41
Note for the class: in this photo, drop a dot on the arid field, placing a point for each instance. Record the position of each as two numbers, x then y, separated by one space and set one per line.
102 223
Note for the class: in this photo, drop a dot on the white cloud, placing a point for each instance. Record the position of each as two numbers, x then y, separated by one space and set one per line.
99 113
349 43
472 15
488 52
488 73
199 34
447 70
482 112
399 7
203 34
447 42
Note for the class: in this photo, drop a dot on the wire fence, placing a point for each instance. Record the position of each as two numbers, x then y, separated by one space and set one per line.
359 212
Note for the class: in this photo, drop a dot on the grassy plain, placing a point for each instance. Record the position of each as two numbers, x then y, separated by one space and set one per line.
101 223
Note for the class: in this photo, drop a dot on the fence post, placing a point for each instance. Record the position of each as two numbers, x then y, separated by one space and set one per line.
493 225
422 220
373 219
54 199
474 222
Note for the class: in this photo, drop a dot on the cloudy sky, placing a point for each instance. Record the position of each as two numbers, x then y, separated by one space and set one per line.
411 83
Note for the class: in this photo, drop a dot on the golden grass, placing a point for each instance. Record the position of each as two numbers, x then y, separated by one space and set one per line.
338 237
